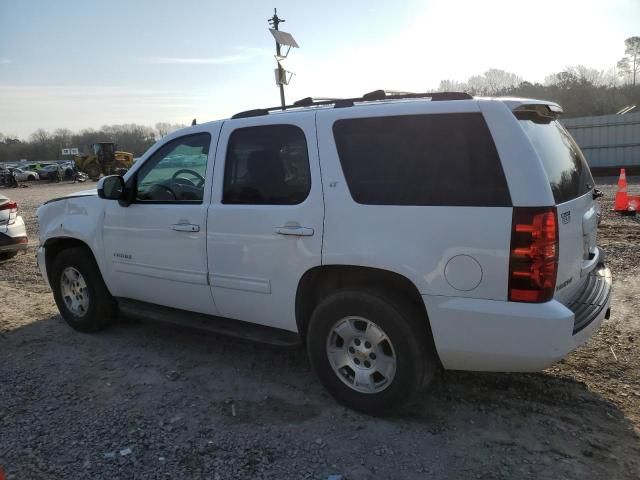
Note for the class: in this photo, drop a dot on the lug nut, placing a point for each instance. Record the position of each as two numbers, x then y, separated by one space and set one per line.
367 364
367 345
357 342
356 361
352 350
372 356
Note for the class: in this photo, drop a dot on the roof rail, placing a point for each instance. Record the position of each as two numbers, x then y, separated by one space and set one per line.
349 102
434 96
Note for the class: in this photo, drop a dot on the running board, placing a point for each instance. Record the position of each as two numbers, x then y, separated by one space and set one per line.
223 326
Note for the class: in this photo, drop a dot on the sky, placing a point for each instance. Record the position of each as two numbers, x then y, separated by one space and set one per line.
85 63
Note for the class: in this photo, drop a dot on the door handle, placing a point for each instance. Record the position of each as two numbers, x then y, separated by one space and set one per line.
185 227
295 230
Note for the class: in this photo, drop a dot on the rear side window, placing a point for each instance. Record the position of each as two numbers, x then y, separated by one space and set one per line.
437 159
267 165
566 167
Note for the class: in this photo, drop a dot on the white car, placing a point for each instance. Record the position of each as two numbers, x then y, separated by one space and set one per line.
13 234
24 175
392 234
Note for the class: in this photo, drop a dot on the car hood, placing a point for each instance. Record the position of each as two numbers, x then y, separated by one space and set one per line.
82 193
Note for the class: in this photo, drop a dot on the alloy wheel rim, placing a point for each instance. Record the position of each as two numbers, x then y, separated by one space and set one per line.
361 355
75 293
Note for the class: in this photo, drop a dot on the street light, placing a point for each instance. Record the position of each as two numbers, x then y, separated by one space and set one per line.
282 39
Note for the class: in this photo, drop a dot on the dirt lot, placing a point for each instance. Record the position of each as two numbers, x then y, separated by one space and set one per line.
143 400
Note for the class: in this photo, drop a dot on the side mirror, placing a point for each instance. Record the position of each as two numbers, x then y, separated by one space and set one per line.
111 187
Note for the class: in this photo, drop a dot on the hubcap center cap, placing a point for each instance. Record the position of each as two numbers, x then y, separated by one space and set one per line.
359 353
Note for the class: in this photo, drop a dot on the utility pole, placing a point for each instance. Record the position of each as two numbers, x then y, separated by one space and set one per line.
274 22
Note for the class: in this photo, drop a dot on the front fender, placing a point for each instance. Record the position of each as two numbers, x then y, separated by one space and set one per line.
78 218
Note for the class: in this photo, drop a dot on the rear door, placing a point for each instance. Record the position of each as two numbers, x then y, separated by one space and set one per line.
265 222
572 186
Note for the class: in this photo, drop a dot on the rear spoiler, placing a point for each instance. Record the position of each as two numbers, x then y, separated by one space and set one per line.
538 112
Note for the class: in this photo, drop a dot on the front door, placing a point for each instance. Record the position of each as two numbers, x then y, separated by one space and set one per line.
156 247
265 218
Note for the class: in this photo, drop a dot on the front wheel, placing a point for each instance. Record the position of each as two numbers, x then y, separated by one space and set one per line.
372 352
79 291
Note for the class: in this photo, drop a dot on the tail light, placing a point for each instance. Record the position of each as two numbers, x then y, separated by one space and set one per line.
13 211
533 263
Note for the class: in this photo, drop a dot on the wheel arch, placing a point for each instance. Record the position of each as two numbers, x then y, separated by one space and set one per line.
320 281
53 246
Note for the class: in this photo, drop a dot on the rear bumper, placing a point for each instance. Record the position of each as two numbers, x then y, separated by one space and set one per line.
13 238
491 335
592 299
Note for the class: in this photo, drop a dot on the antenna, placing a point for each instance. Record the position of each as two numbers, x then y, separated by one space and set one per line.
286 39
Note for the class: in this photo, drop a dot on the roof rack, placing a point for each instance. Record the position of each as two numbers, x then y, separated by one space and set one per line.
349 102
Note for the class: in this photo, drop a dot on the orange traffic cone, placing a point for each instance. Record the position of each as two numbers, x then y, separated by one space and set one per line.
622 201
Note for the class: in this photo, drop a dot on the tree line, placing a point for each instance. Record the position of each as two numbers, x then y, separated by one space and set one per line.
45 145
580 90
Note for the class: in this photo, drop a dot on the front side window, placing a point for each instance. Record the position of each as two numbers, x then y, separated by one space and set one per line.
176 172
267 165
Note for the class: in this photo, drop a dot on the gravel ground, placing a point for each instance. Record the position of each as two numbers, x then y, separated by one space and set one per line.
144 400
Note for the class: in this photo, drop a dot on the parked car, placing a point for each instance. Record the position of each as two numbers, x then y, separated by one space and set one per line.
13 235
49 172
4 176
36 167
67 170
390 234
24 175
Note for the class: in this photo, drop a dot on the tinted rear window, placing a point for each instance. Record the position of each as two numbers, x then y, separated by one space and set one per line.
566 167
437 159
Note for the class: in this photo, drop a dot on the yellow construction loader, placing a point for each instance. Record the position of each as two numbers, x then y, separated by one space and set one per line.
103 159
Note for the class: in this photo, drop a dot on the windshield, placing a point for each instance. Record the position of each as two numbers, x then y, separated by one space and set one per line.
566 167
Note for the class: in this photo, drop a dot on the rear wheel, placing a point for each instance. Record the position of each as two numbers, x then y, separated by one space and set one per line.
372 352
79 291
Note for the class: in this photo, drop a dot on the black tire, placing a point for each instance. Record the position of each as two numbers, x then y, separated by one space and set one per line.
7 255
102 308
407 330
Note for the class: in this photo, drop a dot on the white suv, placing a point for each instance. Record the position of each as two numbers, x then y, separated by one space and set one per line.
392 234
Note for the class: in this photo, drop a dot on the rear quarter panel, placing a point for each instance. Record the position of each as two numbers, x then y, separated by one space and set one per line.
414 241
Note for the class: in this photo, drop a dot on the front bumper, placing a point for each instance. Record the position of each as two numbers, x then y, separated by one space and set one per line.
13 238
491 335
42 264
